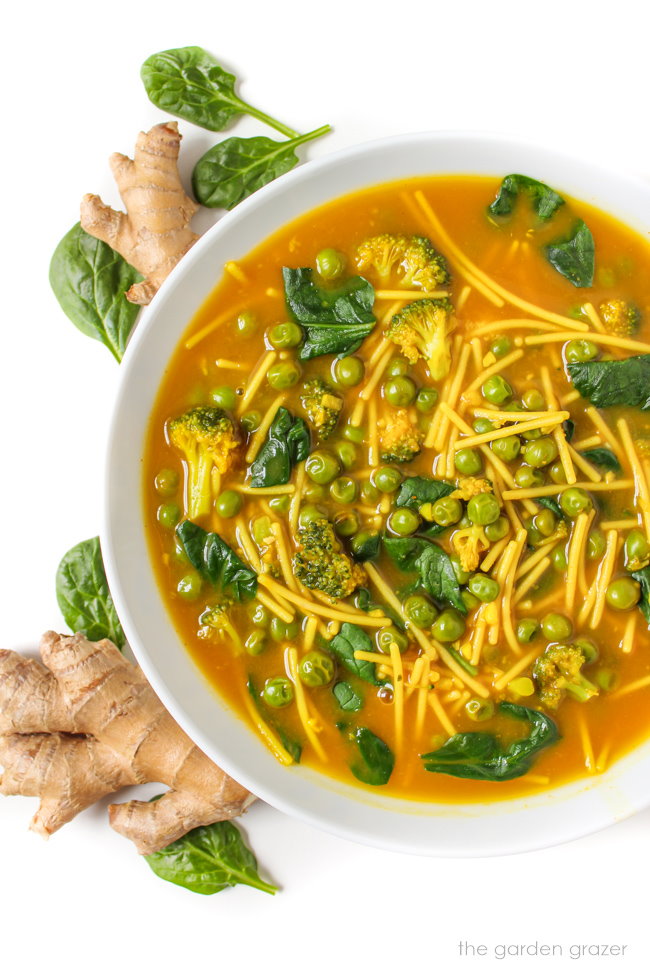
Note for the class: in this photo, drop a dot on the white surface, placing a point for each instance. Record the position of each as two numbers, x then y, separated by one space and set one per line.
572 74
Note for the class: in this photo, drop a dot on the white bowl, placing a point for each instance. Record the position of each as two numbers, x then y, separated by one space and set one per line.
509 826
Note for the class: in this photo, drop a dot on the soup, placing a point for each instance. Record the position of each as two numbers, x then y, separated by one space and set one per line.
397 489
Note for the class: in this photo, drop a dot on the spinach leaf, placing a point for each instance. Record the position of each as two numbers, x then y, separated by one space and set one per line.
602 457
208 859
642 576
347 697
374 762
89 280
416 491
480 755
433 565
83 595
616 382
569 429
235 168
189 83
573 256
215 561
368 548
363 601
552 505
544 201
286 443
293 747
335 320
347 641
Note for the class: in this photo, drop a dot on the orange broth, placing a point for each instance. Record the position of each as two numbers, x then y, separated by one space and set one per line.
594 733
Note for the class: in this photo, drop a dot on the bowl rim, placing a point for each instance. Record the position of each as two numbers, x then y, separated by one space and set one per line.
610 808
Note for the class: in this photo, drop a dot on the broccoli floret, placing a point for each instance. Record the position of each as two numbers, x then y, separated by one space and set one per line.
413 261
322 405
469 544
215 621
468 487
422 331
321 564
620 317
558 671
400 439
208 439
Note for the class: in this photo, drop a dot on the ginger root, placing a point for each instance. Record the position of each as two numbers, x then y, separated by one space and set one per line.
87 724
154 233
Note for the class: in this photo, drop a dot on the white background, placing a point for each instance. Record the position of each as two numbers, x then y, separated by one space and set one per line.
571 74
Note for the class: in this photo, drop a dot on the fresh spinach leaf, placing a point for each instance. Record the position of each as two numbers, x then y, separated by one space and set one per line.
190 83
335 320
89 280
286 443
405 551
293 747
416 491
209 859
346 696
602 457
573 256
233 169
642 576
215 561
83 595
347 641
552 505
433 565
615 382
544 201
374 761
480 755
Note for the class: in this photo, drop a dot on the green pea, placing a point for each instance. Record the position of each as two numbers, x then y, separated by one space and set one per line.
229 504
346 453
497 530
322 467
291 630
573 501
168 515
506 448
500 346
369 493
310 513
426 399
189 587
461 574
330 263
535 537
606 678
479 710
623 593
316 669
527 477
361 540
589 650
470 601
166 482
483 509
449 626
285 335
346 524
446 511
557 473
280 505
399 366
496 390
255 643
349 371
468 461
251 420
314 492
283 375
247 324
527 630
596 544
400 391
558 558
540 453
420 611
484 587
343 490
403 521
259 614
390 634
637 550
482 425
556 627
224 396
354 434
545 522
278 628
532 399
278 692
580 350
386 479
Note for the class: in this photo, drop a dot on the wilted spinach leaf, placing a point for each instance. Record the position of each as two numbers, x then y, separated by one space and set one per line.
347 697
573 256
616 382
433 565
416 491
368 548
602 457
375 761
544 201
209 859
480 755
642 576
552 505
347 641
335 320
83 595
215 561
286 443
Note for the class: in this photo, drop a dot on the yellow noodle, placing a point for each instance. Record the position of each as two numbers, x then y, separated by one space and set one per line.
588 469
256 379
286 615
604 429
642 494
574 558
582 570
247 544
373 447
587 442
506 587
309 632
313 609
635 685
511 431
622 524
586 740
547 490
261 491
533 559
291 655
627 644
398 694
494 553
440 713
237 273
529 581
615 341
274 745
229 364
376 375
516 669
403 296
384 590
452 396
465 292
593 316
296 500
604 577
558 433
283 556
257 439
508 324
492 370
422 693
570 397
211 326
